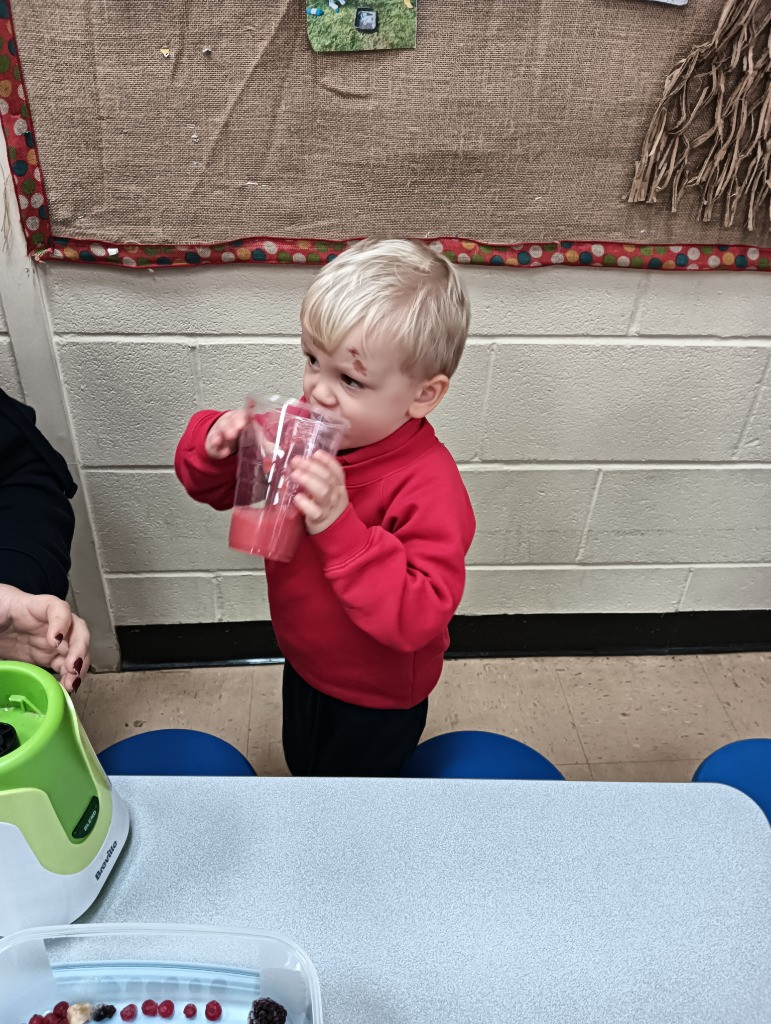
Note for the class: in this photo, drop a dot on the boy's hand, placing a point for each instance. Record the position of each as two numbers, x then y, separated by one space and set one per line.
225 433
324 497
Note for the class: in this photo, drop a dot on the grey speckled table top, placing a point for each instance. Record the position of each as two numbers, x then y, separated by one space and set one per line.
428 901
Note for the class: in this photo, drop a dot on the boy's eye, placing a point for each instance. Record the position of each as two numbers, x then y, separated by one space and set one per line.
351 383
311 359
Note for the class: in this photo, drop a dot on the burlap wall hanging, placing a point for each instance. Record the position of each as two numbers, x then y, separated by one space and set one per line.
174 132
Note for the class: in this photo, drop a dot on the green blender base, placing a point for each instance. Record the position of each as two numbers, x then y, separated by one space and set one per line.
61 825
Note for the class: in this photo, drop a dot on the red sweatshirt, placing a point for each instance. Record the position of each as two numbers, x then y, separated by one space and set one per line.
361 611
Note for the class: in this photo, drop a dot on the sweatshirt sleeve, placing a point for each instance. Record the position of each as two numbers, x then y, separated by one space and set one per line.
402 582
211 481
36 517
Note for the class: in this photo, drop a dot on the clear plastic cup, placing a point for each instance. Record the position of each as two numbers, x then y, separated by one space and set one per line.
265 521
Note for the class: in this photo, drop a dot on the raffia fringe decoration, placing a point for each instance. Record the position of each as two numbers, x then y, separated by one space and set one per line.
730 162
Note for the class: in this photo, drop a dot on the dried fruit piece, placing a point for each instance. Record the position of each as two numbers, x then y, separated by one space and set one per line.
60 1010
37 1018
267 1011
129 1012
150 1008
166 1008
190 1011
213 1010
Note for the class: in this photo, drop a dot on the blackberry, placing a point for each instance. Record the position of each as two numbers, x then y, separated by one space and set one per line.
267 1011
103 1011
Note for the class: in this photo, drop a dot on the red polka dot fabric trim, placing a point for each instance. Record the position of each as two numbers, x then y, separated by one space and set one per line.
42 244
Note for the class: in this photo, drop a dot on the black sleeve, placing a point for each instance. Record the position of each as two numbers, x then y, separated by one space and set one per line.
36 518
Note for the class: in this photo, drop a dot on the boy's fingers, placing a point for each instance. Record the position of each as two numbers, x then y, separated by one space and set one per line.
221 445
213 442
222 439
318 487
232 424
317 470
309 471
308 507
233 430
330 464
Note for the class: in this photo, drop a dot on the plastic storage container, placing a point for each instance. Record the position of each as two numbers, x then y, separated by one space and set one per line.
129 963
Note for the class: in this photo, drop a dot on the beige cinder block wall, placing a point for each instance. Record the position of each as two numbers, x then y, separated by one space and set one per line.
613 428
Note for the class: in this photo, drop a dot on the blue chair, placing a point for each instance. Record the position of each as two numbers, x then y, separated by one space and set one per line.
477 755
174 752
745 765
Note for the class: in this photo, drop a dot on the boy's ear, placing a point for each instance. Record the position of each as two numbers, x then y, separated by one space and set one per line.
429 395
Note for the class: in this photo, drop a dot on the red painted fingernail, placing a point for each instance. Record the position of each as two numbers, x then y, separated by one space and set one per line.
78 666
59 637
76 684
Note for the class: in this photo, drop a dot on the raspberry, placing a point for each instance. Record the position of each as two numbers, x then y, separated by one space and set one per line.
60 1010
213 1010
190 1011
129 1012
166 1008
36 1018
103 1011
267 1011
51 1018
150 1008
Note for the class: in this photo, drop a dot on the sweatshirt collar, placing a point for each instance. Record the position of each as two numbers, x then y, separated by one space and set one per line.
375 461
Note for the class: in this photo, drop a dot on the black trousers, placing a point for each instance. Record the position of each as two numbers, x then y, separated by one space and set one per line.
325 736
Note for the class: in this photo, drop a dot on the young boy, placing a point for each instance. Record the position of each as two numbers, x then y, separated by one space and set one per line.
361 612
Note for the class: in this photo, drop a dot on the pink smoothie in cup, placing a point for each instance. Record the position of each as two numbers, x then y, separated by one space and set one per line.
265 520
273 532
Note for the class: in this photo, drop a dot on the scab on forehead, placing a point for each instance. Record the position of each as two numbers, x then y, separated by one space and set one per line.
358 365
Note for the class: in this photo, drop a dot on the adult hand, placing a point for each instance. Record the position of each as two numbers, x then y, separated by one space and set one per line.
324 496
43 630
225 434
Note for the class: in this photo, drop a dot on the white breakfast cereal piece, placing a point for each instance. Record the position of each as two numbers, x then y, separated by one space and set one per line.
78 1013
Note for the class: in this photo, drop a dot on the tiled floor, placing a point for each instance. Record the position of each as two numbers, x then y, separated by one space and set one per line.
626 719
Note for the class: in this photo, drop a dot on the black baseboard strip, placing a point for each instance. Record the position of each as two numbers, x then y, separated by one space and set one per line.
192 645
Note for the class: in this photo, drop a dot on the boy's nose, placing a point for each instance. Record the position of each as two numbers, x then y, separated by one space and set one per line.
323 395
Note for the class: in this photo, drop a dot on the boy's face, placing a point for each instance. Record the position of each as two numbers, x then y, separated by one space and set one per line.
365 386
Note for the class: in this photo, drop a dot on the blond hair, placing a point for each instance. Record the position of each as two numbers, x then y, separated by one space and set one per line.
395 290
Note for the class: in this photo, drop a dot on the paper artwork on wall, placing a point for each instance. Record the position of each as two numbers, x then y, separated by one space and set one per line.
348 26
